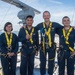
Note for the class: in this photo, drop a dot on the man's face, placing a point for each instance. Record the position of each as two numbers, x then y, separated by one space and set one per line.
46 17
29 21
66 22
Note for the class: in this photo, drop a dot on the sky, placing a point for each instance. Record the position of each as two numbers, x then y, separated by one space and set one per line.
57 8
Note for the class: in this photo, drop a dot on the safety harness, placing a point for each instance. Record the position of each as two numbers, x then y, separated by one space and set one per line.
27 33
47 32
8 40
66 36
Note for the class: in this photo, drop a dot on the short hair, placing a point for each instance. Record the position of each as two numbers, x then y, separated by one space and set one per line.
29 16
6 24
45 12
65 17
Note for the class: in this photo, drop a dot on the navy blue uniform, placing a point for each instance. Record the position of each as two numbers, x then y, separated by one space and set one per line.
28 52
9 64
65 53
50 50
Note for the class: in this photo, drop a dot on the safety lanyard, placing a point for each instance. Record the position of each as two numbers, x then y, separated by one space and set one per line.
27 33
66 36
47 32
8 40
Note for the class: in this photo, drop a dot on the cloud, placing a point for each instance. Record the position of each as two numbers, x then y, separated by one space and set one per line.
57 12
29 1
61 14
55 2
57 16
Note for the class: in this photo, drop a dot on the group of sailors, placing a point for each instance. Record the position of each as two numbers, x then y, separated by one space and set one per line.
39 38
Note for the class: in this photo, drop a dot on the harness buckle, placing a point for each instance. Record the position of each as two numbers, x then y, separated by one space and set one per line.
9 49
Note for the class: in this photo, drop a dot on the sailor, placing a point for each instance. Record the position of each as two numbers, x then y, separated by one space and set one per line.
9 48
66 50
28 36
47 30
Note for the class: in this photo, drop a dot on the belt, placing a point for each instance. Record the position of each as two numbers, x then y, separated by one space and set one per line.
30 47
27 47
65 50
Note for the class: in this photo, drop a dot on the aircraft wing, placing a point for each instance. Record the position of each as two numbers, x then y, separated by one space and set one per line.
21 5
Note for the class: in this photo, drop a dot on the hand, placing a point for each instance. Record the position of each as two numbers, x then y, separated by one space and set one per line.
36 53
73 53
27 37
12 54
9 54
73 27
30 37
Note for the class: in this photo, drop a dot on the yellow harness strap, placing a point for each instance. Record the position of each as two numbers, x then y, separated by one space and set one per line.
29 34
9 41
47 32
66 36
52 59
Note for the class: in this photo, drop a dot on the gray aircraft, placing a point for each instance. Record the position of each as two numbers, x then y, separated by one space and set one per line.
26 9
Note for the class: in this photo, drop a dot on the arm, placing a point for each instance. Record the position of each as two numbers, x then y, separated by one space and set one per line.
37 40
16 44
39 26
22 35
57 28
2 45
